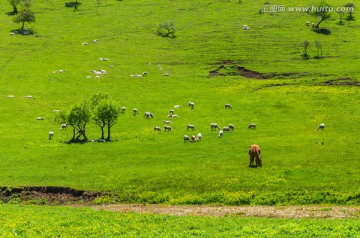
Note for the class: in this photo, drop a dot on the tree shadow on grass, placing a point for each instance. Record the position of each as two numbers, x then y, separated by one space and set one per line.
11 13
323 31
24 32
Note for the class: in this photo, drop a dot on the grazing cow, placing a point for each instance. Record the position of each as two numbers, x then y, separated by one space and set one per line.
254 152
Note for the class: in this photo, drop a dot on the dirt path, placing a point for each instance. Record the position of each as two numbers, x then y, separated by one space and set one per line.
241 211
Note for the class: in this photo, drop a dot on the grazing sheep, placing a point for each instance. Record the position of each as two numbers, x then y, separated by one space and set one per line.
307 23
186 138
220 133
61 71
167 122
51 134
145 73
135 111
231 127
226 129
171 112
28 96
40 118
63 126
167 128
191 105
228 106
10 96
97 76
177 106
321 126
123 109
103 59
148 115
199 136
252 126
166 74
190 126
54 72
95 41
193 138
156 128
102 71
214 126
245 27
85 43
88 77
254 152
56 111
173 115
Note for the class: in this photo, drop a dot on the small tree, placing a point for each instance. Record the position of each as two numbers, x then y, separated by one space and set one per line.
106 114
14 4
78 117
350 9
319 48
322 11
25 14
305 45
341 15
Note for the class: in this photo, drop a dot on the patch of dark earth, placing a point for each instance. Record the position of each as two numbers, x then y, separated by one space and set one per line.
52 195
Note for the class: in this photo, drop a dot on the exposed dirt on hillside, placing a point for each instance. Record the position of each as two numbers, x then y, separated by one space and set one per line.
241 211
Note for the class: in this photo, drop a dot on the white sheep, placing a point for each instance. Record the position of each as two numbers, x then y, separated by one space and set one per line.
245 27
95 41
156 128
173 115
40 118
321 126
167 128
191 105
145 73
171 112
84 43
135 111
63 126
214 126
51 134
167 122
148 115
186 138
220 133
228 106
307 23
177 106
10 96
231 127
190 126
199 136
61 71
88 77
252 126
226 129
102 71
56 111
123 109
166 74
28 96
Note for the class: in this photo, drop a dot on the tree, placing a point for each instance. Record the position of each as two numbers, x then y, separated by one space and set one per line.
341 15
25 14
14 4
106 114
78 116
323 11
350 9
305 45
319 48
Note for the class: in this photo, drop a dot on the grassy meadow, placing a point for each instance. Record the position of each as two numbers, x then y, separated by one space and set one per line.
300 164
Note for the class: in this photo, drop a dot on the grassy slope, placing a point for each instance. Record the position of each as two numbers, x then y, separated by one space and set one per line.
158 167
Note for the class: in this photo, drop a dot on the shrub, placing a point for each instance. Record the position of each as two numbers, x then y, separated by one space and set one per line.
167 30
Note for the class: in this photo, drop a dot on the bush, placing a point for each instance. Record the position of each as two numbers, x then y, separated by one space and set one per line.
167 30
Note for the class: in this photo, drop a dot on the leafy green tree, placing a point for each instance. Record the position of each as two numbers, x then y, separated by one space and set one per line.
78 117
25 14
105 115
323 11
14 4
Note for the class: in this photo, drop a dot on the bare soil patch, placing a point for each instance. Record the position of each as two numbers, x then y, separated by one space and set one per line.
318 211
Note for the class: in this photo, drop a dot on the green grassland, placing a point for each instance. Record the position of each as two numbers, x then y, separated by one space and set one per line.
28 221
300 165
